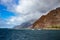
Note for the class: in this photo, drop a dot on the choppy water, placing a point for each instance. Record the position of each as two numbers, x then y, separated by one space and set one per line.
12 34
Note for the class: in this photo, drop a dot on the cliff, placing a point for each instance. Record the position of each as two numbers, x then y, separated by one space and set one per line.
51 20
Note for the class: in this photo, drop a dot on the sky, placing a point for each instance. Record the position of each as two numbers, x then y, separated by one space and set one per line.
16 12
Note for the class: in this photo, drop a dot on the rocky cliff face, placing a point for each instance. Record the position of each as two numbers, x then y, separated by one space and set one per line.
52 19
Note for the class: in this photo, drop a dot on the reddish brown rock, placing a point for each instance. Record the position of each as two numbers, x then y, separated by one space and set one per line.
49 20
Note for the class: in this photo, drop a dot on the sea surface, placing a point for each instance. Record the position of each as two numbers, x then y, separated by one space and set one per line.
21 34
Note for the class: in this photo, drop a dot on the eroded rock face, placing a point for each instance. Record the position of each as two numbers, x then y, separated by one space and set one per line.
49 20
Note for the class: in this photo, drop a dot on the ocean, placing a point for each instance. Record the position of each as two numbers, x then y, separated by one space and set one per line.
21 34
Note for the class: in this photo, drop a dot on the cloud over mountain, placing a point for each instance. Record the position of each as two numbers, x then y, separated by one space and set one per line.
26 10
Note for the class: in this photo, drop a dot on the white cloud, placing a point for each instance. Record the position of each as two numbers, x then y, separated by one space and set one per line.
5 1
9 4
33 9
17 20
29 9
3 24
26 6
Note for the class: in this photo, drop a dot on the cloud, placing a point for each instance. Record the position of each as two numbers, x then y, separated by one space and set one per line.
9 4
33 9
3 24
17 20
28 9
26 6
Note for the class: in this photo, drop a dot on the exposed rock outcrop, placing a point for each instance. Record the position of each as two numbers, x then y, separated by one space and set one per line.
52 19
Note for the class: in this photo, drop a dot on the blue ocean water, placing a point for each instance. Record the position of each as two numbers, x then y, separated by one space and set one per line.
13 34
